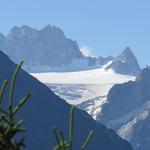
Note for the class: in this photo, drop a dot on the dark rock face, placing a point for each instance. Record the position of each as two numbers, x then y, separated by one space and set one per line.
123 98
125 63
120 97
128 110
141 133
45 110
138 131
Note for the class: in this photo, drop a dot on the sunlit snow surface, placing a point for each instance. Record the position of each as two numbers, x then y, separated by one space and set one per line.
86 89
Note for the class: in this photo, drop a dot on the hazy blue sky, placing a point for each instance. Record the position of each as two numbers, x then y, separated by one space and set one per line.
105 26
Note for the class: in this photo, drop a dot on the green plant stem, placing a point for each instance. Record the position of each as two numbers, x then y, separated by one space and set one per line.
11 91
87 140
71 127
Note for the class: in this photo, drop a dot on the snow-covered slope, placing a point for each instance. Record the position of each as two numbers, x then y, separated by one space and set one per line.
86 89
94 76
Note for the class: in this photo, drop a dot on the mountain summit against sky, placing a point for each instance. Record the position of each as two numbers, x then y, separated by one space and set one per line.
42 50
45 110
125 63
48 49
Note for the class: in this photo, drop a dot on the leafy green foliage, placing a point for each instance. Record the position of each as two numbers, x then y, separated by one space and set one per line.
9 126
62 143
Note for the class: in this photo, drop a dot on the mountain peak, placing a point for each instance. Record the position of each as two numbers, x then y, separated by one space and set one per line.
125 63
47 28
126 55
49 48
23 27
127 50
21 31
54 29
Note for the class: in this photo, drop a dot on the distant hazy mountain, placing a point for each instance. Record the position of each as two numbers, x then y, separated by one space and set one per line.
48 49
45 110
44 50
128 110
125 63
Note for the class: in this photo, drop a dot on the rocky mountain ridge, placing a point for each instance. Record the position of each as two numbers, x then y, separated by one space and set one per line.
48 50
128 110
